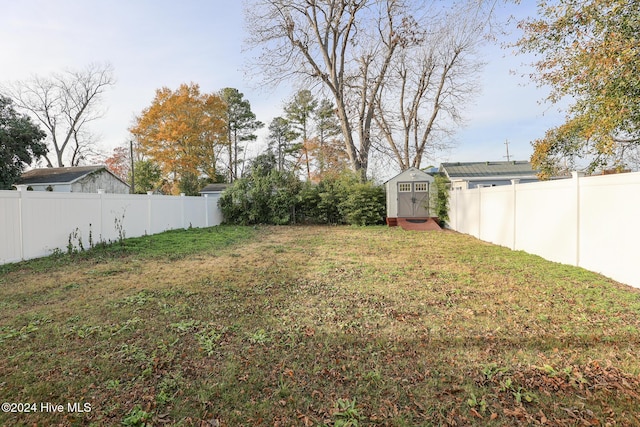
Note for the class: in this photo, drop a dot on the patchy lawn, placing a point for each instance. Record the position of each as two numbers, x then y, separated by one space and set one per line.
315 326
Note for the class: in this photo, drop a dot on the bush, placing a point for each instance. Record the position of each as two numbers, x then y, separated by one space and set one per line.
364 204
308 209
268 196
234 203
442 198
330 193
265 196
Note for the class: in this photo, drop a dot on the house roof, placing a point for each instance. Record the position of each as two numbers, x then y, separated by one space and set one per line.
58 175
505 169
214 188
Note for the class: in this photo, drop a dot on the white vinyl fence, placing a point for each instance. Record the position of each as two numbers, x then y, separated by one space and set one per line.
35 223
591 222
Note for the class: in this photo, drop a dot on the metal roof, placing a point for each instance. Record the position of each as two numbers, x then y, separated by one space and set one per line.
57 175
506 169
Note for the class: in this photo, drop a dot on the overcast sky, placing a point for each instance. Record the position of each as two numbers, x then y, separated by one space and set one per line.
156 43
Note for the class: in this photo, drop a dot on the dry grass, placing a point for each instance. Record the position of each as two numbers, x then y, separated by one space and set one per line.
319 326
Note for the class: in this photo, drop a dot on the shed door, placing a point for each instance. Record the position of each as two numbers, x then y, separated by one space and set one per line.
413 199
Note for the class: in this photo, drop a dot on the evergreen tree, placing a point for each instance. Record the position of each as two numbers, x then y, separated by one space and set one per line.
20 143
281 135
241 127
298 112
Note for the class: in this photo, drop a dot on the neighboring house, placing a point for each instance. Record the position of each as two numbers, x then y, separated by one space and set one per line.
214 189
79 179
487 174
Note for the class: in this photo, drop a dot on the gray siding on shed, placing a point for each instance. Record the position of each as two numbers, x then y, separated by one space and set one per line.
411 175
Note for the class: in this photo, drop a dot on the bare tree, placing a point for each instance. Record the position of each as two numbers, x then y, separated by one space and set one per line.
346 45
64 104
351 48
432 77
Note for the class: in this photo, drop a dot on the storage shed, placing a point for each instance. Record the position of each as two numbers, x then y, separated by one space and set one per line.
409 197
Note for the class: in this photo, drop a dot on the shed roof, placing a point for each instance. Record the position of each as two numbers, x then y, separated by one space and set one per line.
58 175
412 174
505 169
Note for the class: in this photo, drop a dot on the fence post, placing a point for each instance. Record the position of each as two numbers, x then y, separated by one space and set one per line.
149 194
101 218
457 210
206 210
21 190
514 182
479 212
576 178
182 202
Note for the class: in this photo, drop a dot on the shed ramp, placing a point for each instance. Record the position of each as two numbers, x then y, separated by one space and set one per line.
419 224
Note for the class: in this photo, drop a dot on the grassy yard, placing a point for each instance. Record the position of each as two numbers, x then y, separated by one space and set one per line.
336 326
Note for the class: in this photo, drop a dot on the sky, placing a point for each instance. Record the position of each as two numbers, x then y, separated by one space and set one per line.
159 43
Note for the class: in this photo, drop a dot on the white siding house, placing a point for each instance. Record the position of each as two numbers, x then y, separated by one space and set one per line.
80 179
466 175
214 189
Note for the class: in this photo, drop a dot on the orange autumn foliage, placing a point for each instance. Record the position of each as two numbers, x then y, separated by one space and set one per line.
119 163
183 131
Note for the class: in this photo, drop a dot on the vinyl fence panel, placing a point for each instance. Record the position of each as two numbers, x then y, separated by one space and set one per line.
35 223
591 222
610 226
545 220
10 236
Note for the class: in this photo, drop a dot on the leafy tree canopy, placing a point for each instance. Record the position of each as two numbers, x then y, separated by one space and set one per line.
183 131
148 176
21 143
119 163
589 51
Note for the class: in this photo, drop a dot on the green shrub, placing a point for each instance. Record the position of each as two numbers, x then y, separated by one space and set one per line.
283 198
442 198
235 204
364 204
331 193
267 196
308 209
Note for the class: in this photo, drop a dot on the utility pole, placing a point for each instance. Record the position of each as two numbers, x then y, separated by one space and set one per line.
506 142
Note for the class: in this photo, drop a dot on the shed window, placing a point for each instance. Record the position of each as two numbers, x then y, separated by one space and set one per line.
404 187
421 187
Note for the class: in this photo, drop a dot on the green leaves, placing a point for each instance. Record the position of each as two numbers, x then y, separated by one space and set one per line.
268 196
347 414
20 143
589 52
241 124
364 204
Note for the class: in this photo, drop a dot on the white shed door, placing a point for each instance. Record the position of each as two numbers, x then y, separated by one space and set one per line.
413 199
